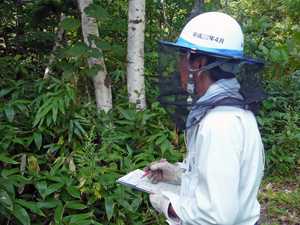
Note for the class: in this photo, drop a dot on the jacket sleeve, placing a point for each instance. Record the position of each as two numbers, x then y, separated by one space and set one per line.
210 191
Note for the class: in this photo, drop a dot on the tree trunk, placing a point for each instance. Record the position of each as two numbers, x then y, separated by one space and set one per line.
197 10
57 41
135 53
101 81
7 44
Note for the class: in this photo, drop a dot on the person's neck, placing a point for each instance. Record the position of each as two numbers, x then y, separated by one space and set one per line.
203 82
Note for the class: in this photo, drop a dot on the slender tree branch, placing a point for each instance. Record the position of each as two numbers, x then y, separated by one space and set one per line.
168 25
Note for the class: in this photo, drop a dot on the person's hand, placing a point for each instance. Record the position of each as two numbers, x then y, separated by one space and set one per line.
159 202
163 171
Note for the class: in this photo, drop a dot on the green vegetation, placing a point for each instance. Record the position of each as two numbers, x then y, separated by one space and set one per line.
59 158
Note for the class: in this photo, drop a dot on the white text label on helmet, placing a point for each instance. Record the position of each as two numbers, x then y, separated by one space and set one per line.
208 37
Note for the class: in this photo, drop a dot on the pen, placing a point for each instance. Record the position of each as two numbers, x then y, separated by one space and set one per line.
149 171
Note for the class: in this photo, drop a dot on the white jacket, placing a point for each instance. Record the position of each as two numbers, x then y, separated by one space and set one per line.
225 164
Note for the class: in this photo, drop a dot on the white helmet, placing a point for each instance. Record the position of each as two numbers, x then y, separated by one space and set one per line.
215 34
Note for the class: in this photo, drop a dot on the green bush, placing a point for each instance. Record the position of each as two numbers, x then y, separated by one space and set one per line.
60 161
279 124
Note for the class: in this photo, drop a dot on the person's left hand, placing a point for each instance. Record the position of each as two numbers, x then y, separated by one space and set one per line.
159 201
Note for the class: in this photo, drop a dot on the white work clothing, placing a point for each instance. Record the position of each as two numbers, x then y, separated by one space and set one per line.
224 170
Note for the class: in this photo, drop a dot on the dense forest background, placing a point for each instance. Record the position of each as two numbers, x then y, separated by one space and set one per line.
60 154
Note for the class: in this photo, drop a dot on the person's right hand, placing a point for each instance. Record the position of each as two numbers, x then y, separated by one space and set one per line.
163 171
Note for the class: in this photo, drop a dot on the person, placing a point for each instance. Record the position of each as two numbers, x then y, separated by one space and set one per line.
209 89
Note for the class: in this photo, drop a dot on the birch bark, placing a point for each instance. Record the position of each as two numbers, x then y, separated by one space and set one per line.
101 81
57 41
135 53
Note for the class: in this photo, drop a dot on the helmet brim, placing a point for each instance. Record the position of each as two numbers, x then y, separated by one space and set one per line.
219 53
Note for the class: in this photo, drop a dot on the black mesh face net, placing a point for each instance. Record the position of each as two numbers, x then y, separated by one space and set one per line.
239 87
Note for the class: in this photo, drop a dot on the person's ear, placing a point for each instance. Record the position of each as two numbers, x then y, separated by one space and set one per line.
200 62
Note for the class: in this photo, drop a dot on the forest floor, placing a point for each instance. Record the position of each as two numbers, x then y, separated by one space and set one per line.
279 197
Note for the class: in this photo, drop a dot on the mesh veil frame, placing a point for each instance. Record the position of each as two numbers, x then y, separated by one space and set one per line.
174 99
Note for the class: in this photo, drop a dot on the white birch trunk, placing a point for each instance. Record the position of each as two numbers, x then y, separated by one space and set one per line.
101 81
135 53
57 41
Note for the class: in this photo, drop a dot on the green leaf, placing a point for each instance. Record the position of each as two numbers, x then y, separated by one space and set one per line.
17 57
5 173
285 55
52 188
21 179
93 37
61 105
22 108
152 137
109 207
78 49
5 143
10 112
7 160
68 75
54 110
57 165
58 213
19 141
92 200
125 114
19 212
71 129
9 181
91 72
70 24
94 53
73 191
64 194
45 111
5 199
49 203
23 70
4 211
54 178
31 205
275 54
160 140
264 49
77 124
119 50
96 12
60 53
33 173
6 91
290 44
124 203
38 139
41 186
77 132
80 217
95 222
135 203
10 190
75 205
164 146
103 45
